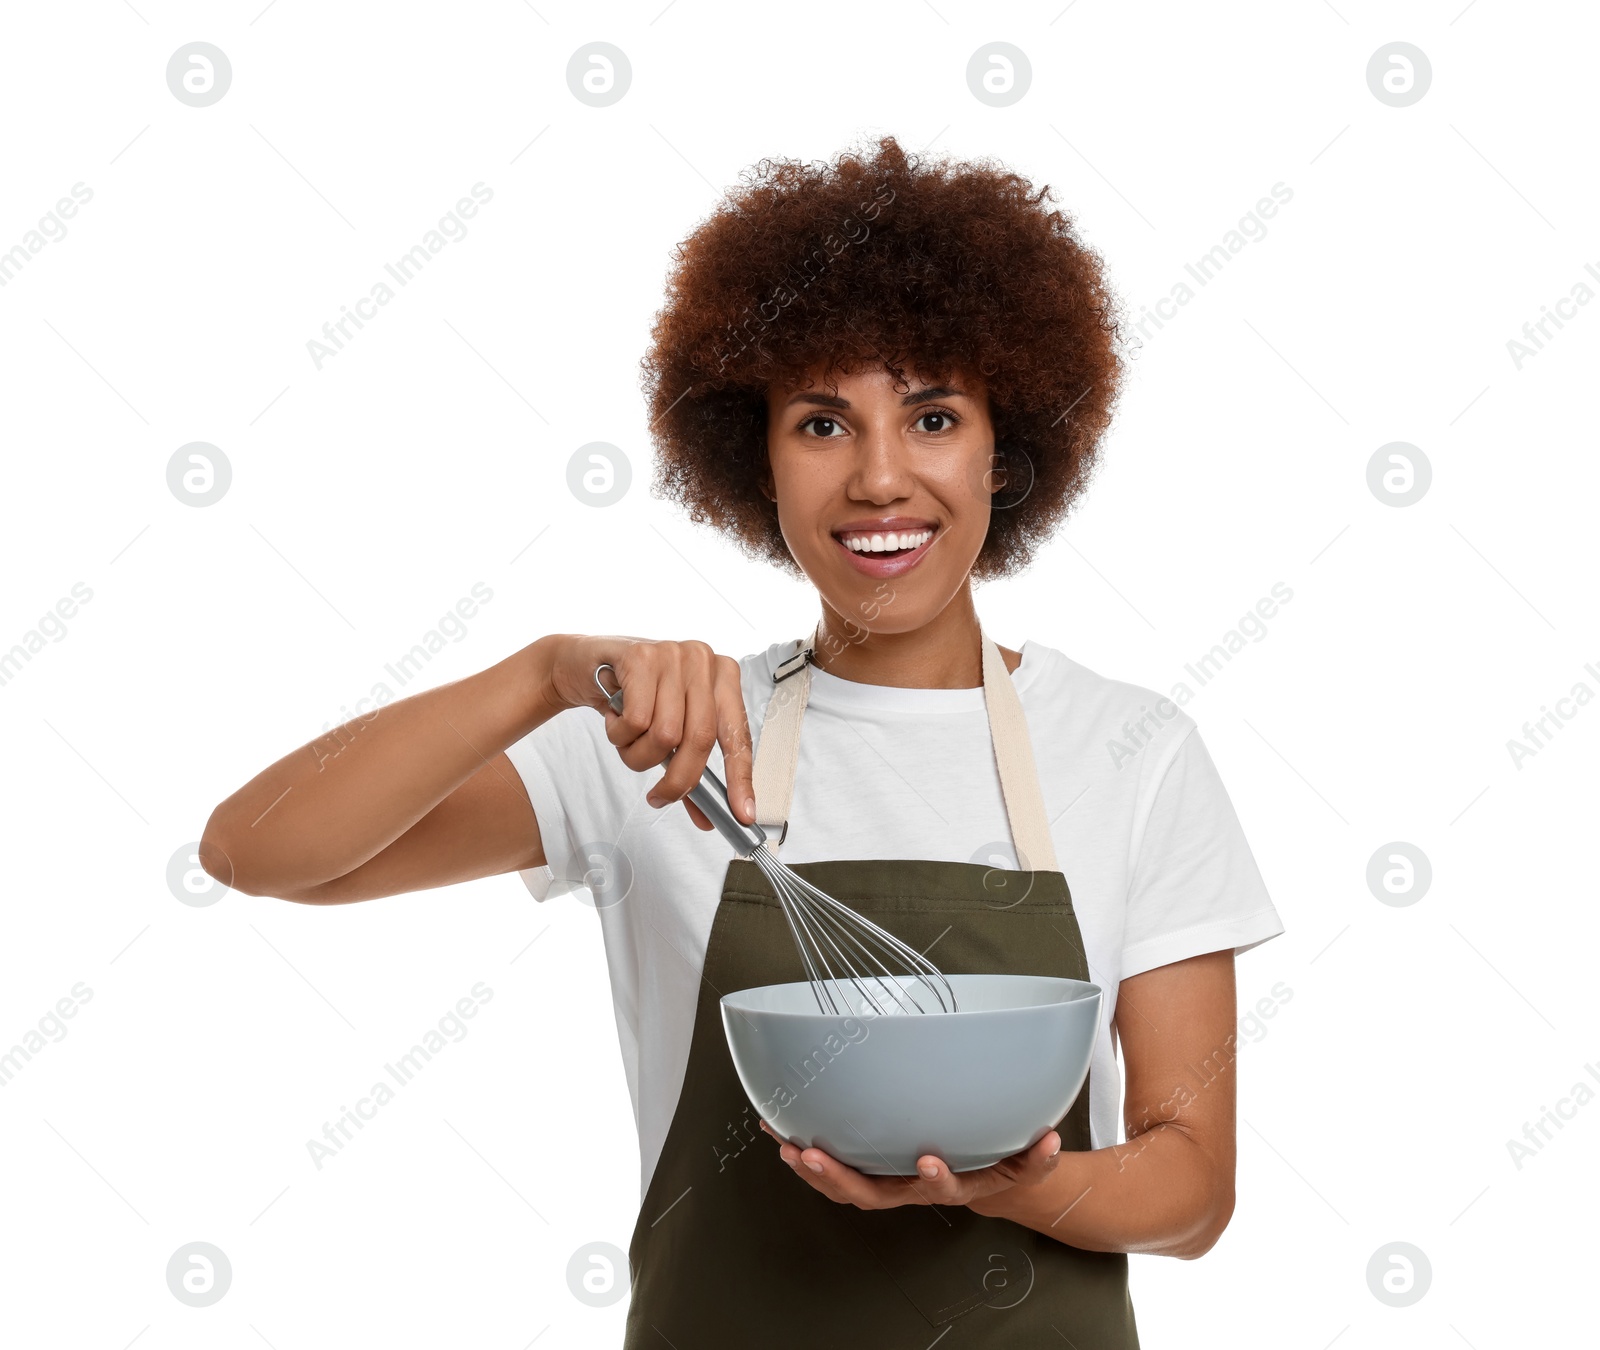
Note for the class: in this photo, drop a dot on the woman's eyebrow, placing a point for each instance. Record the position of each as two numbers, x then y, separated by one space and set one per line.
932 392
917 396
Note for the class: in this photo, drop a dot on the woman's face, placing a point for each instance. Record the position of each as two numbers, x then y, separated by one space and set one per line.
883 493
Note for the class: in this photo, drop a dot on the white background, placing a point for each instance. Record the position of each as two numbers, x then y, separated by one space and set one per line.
369 496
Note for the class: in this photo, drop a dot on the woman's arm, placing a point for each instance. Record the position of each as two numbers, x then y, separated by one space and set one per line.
419 793
1169 1190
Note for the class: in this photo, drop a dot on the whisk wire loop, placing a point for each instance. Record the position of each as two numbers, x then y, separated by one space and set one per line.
842 949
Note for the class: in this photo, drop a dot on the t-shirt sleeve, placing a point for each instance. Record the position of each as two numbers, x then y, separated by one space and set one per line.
581 793
1195 885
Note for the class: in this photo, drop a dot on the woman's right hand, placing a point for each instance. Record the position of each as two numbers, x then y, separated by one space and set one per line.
677 697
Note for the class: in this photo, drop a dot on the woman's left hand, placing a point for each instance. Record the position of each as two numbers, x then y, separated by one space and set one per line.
935 1183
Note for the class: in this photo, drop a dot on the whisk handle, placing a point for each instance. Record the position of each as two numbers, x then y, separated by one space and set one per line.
710 794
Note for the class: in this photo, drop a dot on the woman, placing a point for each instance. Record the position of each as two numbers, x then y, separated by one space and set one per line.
891 378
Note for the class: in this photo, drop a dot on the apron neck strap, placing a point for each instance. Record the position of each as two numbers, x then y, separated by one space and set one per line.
778 752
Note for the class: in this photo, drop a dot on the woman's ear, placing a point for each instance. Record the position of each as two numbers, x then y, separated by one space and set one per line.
766 486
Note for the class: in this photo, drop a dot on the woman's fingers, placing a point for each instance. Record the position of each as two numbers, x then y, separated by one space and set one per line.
835 1180
848 1186
682 700
639 672
934 1184
841 1183
697 731
660 733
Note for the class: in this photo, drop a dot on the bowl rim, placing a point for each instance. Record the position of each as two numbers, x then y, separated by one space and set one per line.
1078 991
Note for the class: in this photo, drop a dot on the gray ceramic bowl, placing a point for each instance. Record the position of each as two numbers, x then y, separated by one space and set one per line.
971 1087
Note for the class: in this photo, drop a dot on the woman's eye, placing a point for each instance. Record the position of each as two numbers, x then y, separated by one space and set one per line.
822 426
943 420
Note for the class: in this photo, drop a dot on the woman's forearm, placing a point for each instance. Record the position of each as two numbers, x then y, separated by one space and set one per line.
1159 1193
327 807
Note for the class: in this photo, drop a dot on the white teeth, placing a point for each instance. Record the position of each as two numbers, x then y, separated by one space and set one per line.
886 543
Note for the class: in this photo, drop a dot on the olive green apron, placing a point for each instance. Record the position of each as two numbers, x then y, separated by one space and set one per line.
732 1249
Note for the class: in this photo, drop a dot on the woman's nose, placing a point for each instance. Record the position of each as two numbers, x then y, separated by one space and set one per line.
882 468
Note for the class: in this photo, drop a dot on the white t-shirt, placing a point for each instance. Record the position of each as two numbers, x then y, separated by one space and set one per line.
1144 832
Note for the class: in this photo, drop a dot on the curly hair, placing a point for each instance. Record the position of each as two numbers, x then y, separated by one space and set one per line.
883 259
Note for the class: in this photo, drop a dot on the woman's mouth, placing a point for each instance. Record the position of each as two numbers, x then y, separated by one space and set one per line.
886 552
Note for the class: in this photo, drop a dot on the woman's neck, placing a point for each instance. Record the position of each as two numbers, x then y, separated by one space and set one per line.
944 653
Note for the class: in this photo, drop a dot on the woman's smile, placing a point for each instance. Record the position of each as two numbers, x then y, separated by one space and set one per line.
886 546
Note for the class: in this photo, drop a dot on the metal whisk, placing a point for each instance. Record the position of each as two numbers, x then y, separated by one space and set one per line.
838 947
